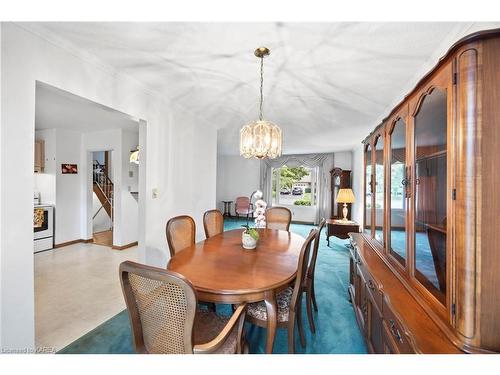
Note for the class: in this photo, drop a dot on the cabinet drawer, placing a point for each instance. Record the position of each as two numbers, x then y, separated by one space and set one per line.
372 286
395 332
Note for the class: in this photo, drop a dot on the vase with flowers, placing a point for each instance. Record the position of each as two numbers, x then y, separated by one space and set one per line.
249 237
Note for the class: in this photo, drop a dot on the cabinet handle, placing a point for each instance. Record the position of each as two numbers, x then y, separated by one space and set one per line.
371 285
364 308
407 182
395 332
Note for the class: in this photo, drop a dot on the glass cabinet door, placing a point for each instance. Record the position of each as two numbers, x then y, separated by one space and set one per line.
430 132
368 190
379 189
398 192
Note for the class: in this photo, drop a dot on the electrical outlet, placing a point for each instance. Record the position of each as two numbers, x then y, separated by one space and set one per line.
131 173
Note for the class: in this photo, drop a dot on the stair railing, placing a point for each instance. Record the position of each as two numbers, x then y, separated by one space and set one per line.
105 185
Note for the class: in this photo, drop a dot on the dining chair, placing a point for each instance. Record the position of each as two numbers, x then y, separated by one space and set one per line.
213 223
162 308
288 301
181 233
308 286
278 218
243 206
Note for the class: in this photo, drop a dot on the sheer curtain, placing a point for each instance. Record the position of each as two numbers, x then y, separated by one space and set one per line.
324 162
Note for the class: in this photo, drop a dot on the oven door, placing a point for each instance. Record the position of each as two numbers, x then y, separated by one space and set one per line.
43 224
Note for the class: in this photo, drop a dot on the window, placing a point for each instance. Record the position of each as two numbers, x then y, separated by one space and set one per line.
294 186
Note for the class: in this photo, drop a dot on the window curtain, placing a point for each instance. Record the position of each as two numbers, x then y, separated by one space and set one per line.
324 162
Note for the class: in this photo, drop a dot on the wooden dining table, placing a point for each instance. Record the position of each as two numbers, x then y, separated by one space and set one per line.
222 271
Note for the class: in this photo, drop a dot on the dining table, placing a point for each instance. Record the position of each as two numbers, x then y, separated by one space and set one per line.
222 271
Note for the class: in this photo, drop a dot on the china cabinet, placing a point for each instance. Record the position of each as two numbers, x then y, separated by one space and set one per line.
424 271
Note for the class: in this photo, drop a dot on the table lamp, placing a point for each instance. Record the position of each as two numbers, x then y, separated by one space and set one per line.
345 196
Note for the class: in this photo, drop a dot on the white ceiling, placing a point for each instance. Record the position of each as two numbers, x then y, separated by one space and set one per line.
326 84
55 108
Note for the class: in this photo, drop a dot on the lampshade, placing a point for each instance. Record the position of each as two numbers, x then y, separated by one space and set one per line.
345 196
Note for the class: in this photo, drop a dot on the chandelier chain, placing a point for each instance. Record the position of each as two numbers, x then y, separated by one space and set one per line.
261 85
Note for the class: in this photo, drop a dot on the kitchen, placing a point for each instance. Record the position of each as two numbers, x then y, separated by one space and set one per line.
44 204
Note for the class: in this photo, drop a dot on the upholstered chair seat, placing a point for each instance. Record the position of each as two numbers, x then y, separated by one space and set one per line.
258 310
207 325
288 301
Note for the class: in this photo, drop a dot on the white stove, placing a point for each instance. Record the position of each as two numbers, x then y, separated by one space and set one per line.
43 227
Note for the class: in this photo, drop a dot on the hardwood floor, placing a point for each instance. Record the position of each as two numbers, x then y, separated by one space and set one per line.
104 238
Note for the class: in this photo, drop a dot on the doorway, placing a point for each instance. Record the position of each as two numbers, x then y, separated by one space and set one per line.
81 142
102 198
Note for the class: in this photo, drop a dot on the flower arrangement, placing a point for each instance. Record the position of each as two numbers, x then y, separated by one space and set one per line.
260 211
249 237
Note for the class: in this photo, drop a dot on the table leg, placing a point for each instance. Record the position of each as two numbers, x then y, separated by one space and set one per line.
272 319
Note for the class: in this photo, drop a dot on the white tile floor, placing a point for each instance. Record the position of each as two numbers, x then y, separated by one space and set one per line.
76 289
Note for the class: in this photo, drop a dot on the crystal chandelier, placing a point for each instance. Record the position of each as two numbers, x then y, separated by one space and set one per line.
261 139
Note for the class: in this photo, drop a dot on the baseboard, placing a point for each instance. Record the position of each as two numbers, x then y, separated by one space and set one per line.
302 222
63 244
124 246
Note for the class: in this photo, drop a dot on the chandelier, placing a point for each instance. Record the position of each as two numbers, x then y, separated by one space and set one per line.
261 139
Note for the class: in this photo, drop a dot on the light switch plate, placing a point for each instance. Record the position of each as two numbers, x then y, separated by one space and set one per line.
155 193
131 173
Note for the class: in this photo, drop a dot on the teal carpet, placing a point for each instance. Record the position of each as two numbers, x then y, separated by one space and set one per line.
336 327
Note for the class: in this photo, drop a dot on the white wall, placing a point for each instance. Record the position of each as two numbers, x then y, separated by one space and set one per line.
1 173
343 160
45 182
180 151
68 187
236 177
129 216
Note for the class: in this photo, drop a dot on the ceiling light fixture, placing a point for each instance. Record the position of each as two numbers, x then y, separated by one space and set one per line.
261 139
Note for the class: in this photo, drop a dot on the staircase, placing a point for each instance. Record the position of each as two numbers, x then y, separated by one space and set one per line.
103 189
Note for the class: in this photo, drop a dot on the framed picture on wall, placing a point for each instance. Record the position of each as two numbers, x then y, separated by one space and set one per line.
69 168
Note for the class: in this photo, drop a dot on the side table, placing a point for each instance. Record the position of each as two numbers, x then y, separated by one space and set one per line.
340 229
227 208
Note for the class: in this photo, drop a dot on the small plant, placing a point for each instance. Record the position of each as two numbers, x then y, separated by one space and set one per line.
252 232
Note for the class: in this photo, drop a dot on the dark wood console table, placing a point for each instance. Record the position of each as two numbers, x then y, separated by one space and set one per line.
337 228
